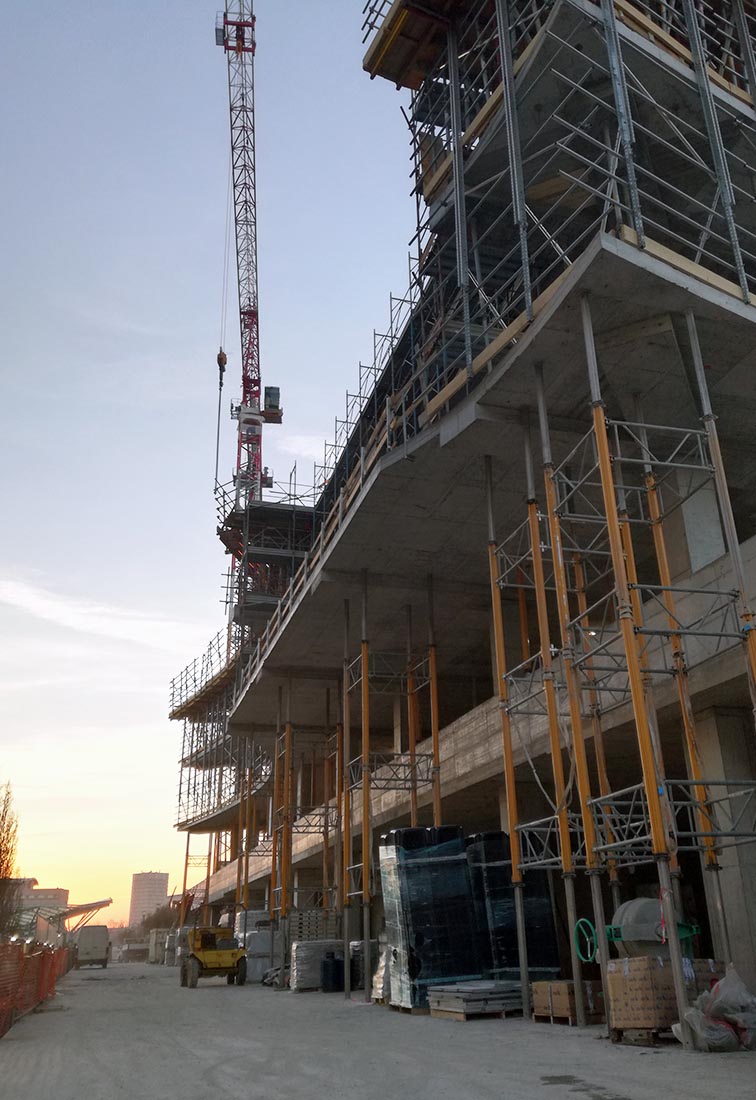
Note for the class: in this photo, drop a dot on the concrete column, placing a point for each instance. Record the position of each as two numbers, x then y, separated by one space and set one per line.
725 741
693 532
703 528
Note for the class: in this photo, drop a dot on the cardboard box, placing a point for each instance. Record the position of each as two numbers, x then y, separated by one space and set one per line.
642 992
557 1000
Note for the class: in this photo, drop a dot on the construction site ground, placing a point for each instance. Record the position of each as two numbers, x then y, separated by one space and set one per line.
132 1033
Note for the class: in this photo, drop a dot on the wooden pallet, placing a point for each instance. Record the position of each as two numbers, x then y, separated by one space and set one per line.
462 1017
642 1036
410 1011
569 1021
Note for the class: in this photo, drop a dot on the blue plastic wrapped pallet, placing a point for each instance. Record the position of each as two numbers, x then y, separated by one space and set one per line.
490 866
432 933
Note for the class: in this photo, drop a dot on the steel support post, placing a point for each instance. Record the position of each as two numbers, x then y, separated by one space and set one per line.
206 916
725 507
514 152
596 726
239 853
573 688
458 174
552 707
434 718
366 831
602 944
522 610
283 951
710 860
659 838
568 878
286 848
510 786
746 45
326 800
276 803
251 836
346 819
411 721
714 134
624 114
631 574
555 746
339 797
326 837
182 908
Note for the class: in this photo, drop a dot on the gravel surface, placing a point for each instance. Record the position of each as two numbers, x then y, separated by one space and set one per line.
132 1032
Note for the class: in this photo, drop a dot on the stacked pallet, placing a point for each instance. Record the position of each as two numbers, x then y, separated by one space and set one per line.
554 1002
468 1000
306 958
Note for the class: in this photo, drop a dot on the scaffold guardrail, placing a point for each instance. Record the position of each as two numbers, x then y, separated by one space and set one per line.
219 657
401 771
722 811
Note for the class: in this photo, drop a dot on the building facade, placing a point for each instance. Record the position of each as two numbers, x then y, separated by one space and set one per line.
528 599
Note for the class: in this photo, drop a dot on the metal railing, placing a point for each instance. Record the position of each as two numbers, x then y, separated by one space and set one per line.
374 12
219 656
724 815
540 844
401 771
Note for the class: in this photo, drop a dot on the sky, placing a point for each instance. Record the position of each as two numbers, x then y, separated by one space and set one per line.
114 193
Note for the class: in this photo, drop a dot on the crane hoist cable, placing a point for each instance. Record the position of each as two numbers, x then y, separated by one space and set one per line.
221 358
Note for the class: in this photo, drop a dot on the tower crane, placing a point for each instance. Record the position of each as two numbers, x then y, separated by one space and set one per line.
235 32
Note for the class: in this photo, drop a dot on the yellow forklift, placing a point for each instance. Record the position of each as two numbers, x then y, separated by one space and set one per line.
211 953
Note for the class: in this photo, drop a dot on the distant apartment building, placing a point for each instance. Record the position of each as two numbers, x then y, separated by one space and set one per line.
149 890
31 894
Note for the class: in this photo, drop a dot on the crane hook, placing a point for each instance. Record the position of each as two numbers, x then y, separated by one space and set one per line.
221 361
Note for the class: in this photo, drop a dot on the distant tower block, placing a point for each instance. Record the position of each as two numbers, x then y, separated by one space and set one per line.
149 890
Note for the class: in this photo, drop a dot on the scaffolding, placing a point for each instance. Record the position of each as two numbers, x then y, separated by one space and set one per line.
537 128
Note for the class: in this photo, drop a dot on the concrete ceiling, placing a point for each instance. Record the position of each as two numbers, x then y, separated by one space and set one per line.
423 511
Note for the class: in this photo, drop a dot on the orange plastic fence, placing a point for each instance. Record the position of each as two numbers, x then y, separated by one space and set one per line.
27 978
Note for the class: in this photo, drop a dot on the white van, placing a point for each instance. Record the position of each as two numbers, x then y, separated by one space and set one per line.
93 946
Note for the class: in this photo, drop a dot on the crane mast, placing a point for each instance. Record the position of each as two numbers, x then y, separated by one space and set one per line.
235 32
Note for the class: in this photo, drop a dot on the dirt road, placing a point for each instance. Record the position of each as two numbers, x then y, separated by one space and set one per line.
131 1033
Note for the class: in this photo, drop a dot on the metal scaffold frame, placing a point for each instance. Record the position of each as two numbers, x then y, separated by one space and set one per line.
590 166
536 127
597 508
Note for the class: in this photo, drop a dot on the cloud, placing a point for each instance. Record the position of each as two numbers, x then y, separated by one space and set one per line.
90 617
102 315
302 446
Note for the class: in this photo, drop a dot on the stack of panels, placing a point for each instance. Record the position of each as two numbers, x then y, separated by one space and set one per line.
357 962
306 957
465 999
493 895
381 977
250 920
312 924
430 921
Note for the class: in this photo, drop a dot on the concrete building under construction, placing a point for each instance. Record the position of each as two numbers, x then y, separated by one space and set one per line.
522 597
